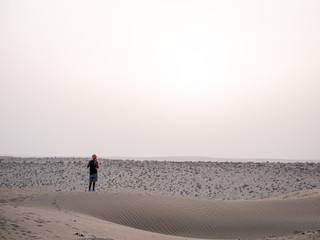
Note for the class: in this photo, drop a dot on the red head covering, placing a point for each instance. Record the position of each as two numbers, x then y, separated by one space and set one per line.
94 156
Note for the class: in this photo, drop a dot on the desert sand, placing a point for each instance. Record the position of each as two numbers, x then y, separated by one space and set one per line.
47 199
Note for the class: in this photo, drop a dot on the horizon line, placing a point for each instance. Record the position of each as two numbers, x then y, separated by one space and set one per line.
168 157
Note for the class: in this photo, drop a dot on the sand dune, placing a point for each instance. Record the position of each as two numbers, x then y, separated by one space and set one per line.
158 200
183 217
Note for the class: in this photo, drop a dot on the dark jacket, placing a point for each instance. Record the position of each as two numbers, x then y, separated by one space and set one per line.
93 166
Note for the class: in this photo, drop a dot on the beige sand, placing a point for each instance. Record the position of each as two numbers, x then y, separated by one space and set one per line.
85 215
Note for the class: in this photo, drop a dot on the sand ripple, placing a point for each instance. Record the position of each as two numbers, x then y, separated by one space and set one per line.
190 217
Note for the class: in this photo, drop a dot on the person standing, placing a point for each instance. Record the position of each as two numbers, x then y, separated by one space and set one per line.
93 174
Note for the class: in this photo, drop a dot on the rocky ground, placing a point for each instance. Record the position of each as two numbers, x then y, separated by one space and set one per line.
212 180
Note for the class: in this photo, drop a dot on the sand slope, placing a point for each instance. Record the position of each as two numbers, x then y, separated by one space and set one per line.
184 217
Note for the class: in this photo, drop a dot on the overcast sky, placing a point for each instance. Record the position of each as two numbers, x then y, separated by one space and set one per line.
153 78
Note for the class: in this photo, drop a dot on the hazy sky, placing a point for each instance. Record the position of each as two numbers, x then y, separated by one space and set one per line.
151 78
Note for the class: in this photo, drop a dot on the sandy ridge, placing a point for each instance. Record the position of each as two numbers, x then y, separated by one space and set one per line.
189 217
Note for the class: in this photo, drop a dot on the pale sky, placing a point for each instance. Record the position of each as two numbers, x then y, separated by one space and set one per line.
157 78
